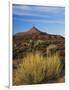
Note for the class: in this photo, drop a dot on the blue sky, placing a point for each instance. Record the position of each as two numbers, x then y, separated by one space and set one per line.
46 18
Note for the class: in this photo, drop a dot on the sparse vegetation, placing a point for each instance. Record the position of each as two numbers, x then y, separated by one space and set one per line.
34 68
38 57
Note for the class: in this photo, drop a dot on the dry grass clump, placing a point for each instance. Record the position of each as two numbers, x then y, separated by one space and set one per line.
34 68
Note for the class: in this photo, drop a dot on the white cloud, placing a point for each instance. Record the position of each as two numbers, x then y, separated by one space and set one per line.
44 12
50 9
30 14
30 10
46 21
21 7
42 21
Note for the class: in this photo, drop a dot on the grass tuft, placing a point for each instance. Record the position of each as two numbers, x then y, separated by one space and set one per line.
34 68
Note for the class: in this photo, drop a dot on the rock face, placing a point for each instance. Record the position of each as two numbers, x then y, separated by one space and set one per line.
33 30
36 34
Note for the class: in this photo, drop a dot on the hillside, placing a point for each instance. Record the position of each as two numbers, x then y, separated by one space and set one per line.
36 34
34 39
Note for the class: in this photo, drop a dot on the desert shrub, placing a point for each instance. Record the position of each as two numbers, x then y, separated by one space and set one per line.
51 49
35 68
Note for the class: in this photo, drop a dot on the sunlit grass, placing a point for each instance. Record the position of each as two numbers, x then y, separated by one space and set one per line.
34 68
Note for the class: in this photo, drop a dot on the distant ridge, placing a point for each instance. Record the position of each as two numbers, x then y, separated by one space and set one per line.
33 30
36 34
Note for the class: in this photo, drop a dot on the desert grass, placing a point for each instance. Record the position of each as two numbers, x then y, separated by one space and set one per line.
34 68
